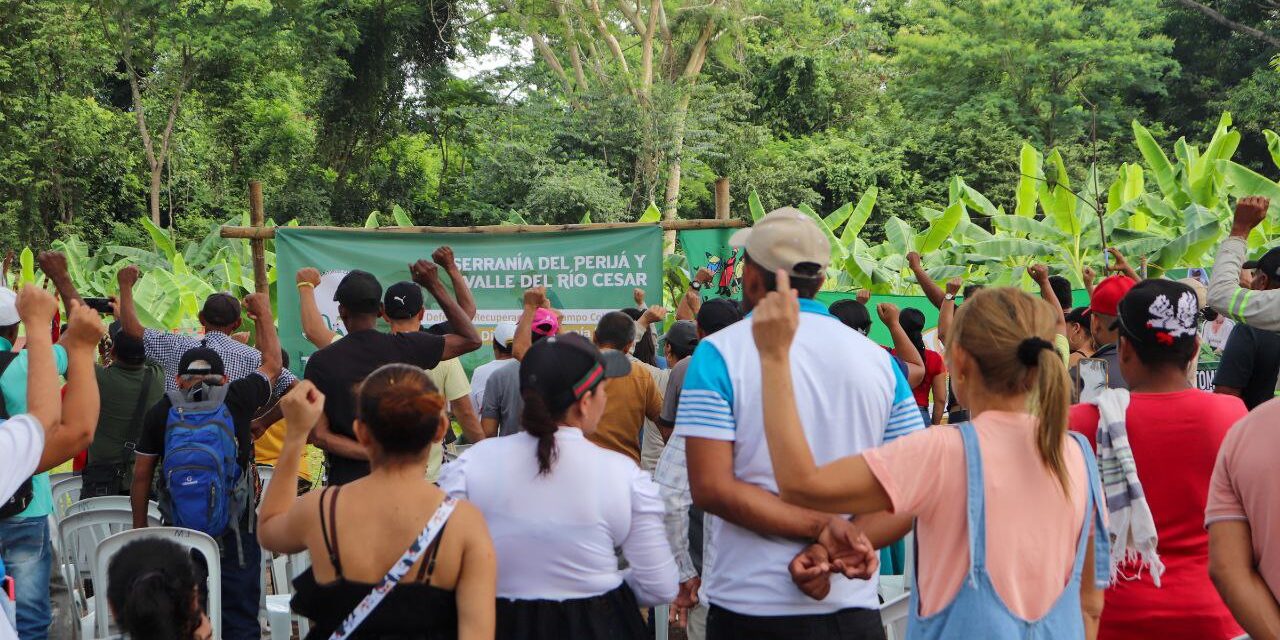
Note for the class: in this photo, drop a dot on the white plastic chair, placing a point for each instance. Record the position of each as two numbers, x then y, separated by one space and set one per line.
112 502
80 535
55 478
65 492
896 591
188 538
280 619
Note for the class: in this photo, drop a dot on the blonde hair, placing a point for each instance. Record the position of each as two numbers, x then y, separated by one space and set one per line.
1009 335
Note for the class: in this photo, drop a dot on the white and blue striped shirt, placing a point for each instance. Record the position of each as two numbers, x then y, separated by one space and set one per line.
851 397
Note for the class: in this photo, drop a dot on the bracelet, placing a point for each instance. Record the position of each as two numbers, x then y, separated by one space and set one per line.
306 284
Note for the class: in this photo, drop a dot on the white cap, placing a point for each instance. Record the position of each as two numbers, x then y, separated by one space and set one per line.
504 334
8 307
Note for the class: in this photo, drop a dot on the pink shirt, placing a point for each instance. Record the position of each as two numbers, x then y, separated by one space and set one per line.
1245 485
1032 528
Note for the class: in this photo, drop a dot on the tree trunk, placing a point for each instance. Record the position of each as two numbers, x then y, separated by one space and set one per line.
156 172
672 198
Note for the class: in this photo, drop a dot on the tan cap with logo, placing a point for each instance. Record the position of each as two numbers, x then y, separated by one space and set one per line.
783 239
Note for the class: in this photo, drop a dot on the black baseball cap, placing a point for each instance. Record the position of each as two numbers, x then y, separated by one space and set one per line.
201 361
1159 311
564 368
682 337
852 314
1269 264
359 290
718 313
403 300
126 347
220 310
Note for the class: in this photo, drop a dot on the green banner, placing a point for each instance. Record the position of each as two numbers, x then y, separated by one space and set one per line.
587 273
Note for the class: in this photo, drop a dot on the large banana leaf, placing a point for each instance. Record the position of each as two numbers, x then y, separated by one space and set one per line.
161 238
838 217
940 228
754 205
1056 197
1273 146
858 218
1156 161
1181 247
1028 227
1242 182
837 249
900 235
1031 174
1010 248
652 214
402 219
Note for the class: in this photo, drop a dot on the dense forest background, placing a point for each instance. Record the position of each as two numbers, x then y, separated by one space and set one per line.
483 111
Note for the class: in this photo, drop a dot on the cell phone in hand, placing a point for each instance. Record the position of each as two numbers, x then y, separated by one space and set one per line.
101 305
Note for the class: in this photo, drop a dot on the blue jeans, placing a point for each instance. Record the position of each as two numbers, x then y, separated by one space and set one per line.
28 557
241 586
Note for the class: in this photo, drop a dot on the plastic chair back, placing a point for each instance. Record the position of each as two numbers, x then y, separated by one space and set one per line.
112 502
65 492
188 538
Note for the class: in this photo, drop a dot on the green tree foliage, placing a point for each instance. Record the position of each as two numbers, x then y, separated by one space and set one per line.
601 108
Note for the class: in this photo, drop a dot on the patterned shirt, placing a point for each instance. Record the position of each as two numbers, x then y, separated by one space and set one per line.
238 359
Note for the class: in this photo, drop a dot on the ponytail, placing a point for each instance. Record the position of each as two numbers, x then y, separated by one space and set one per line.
539 423
1051 402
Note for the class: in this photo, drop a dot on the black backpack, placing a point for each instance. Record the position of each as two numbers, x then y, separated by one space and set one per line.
21 498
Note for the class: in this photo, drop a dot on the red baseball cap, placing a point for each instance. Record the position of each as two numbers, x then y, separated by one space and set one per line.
1107 295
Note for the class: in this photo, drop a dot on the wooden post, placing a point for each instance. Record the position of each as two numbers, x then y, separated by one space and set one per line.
257 246
722 198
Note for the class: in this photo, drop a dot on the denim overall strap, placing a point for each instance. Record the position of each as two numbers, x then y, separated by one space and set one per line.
976 501
1093 514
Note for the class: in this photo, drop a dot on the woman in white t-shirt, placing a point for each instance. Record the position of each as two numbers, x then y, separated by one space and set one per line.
558 506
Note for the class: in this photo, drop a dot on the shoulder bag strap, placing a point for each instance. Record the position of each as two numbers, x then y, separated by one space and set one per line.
397 572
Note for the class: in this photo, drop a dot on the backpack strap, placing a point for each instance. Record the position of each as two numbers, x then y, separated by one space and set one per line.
398 570
21 499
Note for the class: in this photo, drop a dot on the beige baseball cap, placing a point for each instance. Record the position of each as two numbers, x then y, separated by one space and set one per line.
1202 294
783 239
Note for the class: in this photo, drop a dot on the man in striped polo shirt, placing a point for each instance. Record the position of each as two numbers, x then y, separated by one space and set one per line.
850 396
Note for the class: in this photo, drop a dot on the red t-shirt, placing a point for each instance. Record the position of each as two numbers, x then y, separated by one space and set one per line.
1175 439
934 366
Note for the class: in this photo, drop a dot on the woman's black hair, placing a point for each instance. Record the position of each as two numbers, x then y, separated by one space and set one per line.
542 423
912 321
401 408
151 587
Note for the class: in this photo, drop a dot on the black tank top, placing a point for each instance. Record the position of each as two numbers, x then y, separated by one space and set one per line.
412 610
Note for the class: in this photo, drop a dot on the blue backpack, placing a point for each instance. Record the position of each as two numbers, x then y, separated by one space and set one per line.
202 484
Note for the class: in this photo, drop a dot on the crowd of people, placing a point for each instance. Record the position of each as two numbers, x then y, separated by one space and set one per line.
1061 472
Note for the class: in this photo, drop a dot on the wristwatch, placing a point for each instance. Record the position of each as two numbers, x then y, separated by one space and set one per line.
696 285
949 296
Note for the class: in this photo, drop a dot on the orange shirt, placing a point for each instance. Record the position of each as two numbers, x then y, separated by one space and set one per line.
632 398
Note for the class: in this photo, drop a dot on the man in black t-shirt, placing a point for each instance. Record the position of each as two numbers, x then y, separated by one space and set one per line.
338 369
198 370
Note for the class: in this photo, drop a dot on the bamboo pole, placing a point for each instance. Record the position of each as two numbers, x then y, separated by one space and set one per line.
262 233
257 244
